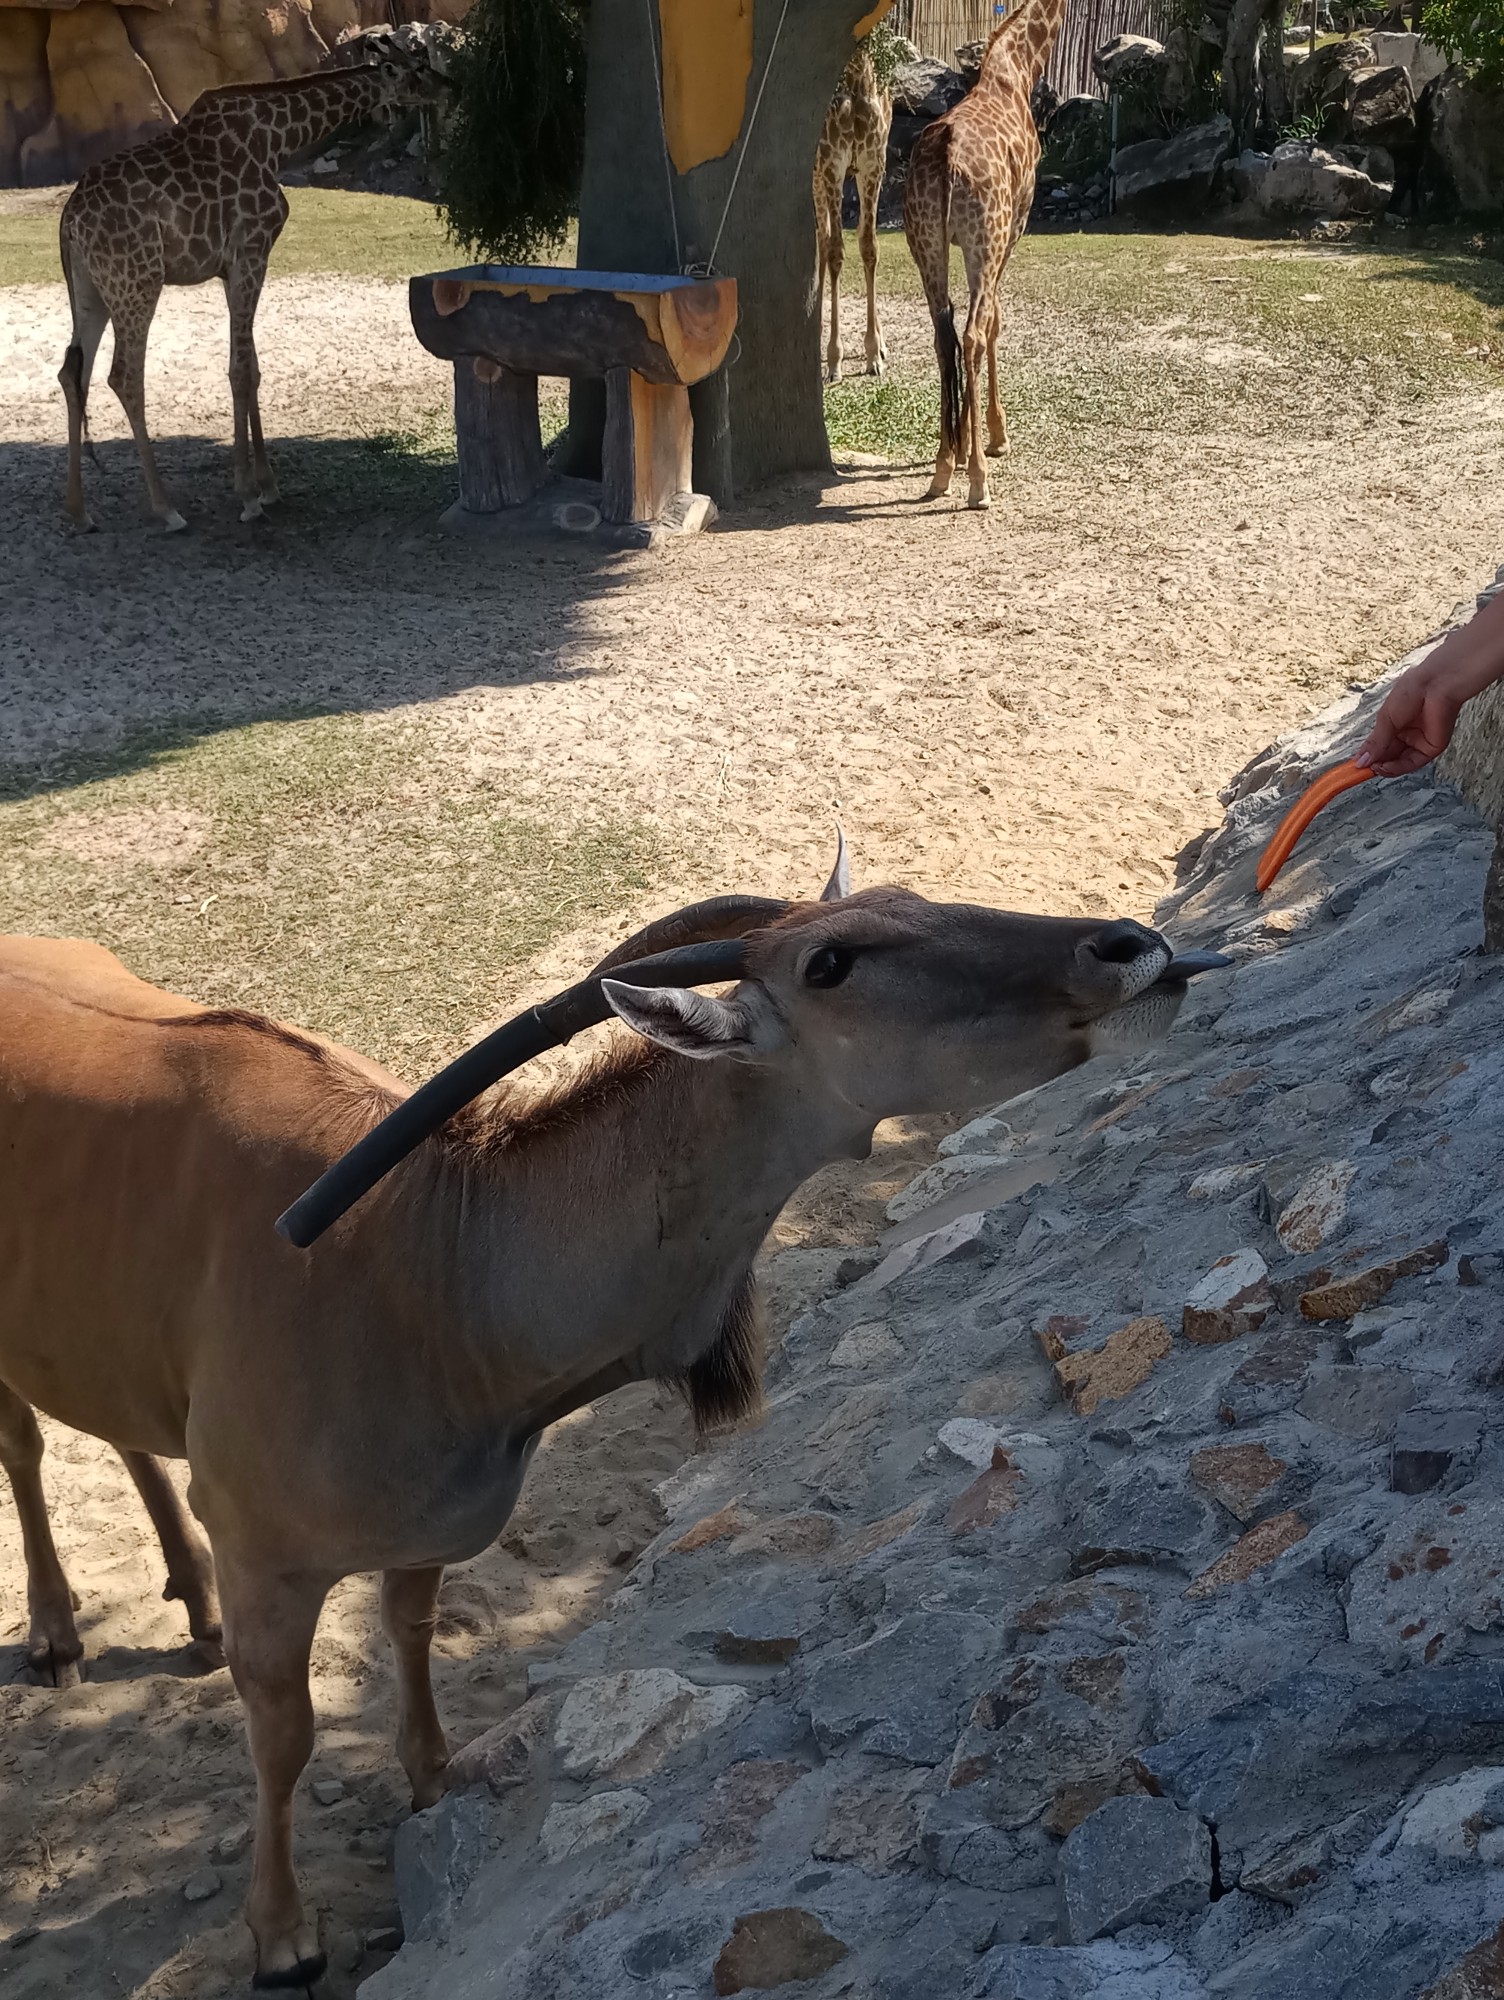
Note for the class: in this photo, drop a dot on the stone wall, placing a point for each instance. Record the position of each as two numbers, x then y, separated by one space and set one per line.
78 82
1110 1604
1475 764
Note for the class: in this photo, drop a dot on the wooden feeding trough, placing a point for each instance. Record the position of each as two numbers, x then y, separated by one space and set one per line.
505 325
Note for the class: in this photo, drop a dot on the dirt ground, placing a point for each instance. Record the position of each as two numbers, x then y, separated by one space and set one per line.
1033 708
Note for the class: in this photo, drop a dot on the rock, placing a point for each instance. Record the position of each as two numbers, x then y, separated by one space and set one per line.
1357 1402
1435 1581
1127 57
1379 106
874 1824
230 1846
954 1242
775 1948
502 1756
1116 1368
1426 1445
1479 1975
740 1799
1105 1971
945 1178
1450 1821
569 1829
1237 1475
383 1937
1136 1860
870 1345
788 1535
1253 1551
1422 59
728 1521
1174 174
1466 142
989 1497
1232 1299
438 1855
1079 142
901 1693
1345 1297
1318 1208
1302 179
1220 1183
328 1791
201 1885
972 1441
626 1724
926 88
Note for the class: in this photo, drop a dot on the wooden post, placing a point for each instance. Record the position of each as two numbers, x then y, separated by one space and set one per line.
497 436
647 450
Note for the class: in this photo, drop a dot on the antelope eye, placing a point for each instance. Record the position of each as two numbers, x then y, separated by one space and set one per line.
829 965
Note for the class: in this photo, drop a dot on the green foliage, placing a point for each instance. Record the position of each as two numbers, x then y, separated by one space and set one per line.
510 171
1305 129
883 45
1471 32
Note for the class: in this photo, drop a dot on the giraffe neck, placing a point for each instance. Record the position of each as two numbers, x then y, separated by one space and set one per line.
1021 46
305 109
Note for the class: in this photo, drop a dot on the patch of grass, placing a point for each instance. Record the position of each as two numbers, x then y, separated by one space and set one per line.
361 236
329 870
1109 336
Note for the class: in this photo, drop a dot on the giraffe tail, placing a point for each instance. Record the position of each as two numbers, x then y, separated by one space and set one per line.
947 341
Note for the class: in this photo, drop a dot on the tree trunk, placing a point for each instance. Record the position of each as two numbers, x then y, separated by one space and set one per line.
1239 62
1273 74
762 413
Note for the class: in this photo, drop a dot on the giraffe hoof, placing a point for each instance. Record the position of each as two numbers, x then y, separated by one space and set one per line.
979 502
305 1972
251 511
83 524
173 522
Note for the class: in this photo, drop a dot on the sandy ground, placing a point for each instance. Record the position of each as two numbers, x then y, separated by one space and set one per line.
1033 708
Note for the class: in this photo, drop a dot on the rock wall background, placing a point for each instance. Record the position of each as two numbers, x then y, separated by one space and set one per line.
1113 1602
79 81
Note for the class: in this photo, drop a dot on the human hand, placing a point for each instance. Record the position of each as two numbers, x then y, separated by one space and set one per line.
1415 723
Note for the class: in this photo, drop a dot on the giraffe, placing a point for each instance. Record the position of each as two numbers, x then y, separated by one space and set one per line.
971 182
855 142
201 201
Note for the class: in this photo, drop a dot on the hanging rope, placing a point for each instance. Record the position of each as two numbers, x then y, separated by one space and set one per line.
668 165
747 137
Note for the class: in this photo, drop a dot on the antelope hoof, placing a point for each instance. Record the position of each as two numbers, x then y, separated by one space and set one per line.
207 1655
251 511
938 489
270 493
173 522
83 524
57 1665
979 502
998 448
301 1973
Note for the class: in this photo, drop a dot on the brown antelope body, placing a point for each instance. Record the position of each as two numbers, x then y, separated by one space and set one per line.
372 1402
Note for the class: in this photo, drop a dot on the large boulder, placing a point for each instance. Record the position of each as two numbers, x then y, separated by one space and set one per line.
1297 179
1378 106
1467 143
1127 58
1078 142
78 82
1174 175
1317 82
926 88
1424 61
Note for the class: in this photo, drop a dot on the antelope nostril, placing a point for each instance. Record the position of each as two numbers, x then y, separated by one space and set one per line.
1121 944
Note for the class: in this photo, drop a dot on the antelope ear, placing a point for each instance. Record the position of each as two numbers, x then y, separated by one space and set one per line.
689 1023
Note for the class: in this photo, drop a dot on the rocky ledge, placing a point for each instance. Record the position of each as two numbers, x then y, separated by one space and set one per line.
1110 1607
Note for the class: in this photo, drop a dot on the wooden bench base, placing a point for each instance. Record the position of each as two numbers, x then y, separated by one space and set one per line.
646 452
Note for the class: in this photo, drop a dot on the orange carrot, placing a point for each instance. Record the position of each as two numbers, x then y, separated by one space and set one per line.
1341 778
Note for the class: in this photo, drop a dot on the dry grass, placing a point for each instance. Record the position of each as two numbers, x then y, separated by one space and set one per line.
315 870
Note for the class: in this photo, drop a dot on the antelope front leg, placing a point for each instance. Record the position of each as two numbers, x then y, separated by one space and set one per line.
269 1625
409 1598
53 1646
190 1567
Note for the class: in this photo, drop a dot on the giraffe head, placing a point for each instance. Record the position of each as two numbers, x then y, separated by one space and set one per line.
408 80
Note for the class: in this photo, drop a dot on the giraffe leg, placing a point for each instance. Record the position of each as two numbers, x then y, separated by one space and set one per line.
190 1566
90 318
408 1601
253 475
835 258
53 1646
877 353
270 1619
132 319
997 426
973 349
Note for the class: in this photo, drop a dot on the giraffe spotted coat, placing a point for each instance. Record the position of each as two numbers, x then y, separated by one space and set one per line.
971 183
854 142
201 201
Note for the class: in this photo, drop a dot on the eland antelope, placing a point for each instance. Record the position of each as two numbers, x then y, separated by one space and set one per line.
472 1271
